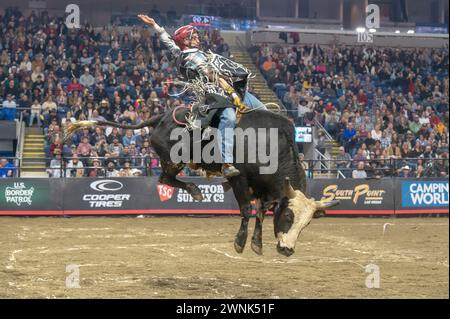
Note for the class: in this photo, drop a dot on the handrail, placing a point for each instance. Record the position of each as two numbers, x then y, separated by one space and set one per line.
20 143
240 44
323 129
323 159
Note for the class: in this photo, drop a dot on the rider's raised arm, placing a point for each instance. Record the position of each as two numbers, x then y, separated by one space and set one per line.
164 36
168 42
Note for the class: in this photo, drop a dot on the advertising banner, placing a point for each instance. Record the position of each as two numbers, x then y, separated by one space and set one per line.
421 196
356 196
144 196
20 196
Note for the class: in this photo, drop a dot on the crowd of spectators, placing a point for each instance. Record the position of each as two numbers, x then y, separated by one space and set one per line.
7 168
55 76
385 106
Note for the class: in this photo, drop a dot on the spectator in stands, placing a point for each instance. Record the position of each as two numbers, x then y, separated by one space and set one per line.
111 170
126 171
84 149
96 170
343 162
56 147
74 167
87 80
36 109
9 108
404 172
359 172
55 165
115 148
7 169
49 105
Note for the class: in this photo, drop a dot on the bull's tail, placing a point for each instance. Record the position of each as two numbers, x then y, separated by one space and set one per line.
73 127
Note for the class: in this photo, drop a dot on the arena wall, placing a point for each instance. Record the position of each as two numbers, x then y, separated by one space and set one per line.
136 196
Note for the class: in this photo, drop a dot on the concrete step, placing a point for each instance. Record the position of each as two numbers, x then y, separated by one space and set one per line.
33 174
33 155
34 135
27 145
33 163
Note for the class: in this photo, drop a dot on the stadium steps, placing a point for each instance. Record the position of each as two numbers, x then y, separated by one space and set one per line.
324 175
258 83
33 155
333 147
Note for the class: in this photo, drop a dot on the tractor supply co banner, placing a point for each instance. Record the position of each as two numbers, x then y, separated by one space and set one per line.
140 195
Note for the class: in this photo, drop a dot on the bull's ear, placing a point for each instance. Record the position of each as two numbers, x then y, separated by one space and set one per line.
321 205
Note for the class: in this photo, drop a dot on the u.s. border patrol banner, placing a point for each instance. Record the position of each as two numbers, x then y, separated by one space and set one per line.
421 195
30 196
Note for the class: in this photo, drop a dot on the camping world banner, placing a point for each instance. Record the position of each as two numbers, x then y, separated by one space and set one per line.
424 196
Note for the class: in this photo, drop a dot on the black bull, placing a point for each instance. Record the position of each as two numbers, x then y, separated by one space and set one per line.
269 190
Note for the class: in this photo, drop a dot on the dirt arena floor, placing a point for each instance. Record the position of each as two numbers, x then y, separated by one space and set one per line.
186 257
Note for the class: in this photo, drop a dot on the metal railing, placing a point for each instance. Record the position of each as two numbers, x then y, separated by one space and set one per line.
321 168
378 168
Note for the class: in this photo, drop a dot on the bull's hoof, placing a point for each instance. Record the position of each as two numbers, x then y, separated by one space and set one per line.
195 192
238 248
257 248
197 197
239 243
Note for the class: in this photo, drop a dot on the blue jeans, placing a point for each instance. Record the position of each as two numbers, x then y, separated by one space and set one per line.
37 117
252 102
9 114
227 124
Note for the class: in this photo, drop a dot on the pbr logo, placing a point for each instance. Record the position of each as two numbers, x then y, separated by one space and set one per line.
19 194
165 192
106 200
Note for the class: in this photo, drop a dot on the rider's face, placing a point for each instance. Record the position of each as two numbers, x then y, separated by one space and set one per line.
195 41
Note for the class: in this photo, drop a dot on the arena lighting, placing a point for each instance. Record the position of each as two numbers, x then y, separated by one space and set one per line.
372 30
360 29
411 32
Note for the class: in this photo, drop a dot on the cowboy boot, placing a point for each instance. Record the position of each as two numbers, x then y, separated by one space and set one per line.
228 170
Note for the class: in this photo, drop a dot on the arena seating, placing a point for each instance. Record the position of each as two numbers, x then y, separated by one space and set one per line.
57 76
378 103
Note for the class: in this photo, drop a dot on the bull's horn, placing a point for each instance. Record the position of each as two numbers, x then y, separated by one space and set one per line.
288 190
324 205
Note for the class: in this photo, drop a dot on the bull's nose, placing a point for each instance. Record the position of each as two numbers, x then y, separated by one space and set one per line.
285 251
